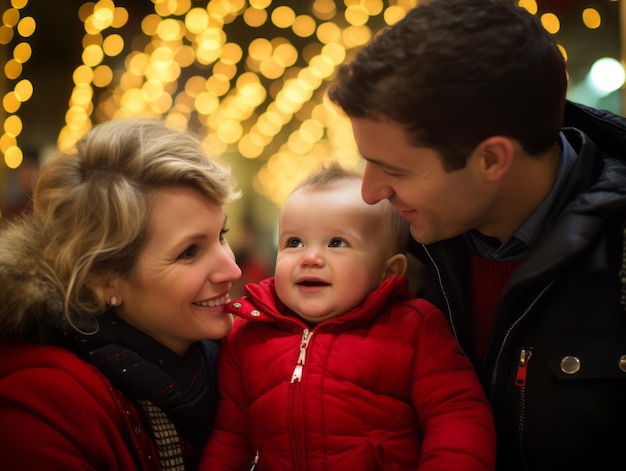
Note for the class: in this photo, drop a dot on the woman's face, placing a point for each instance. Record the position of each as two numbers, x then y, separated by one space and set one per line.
184 272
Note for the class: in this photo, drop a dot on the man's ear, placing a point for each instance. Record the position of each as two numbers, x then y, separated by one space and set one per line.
496 157
396 265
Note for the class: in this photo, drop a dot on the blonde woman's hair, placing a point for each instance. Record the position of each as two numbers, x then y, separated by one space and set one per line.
91 207
334 175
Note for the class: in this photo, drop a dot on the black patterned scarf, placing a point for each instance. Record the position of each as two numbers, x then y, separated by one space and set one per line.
177 395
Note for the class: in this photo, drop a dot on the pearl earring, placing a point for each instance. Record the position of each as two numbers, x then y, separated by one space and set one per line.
113 301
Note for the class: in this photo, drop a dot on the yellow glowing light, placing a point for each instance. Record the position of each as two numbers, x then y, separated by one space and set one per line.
170 30
113 45
551 22
218 85
260 3
19 4
324 9
591 18
102 17
254 17
10 103
133 101
102 76
13 157
229 131
11 17
22 52
85 11
197 20
530 5
328 33
6 34
231 53
259 49
372 7
92 55
6 142
12 69
120 17
393 14
149 24
355 36
304 26
81 95
26 26
285 54
356 16
23 90
13 126
283 17
185 56
206 103
195 85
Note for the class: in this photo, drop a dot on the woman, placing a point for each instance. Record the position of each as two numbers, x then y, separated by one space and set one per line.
107 294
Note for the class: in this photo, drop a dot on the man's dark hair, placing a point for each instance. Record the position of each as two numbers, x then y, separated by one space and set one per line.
456 72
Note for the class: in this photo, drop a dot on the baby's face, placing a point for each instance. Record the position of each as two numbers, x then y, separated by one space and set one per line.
332 251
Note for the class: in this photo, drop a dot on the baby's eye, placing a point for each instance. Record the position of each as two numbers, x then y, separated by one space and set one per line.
294 242
188 253
337 243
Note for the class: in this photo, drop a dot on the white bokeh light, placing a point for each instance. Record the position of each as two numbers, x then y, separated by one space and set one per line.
606 75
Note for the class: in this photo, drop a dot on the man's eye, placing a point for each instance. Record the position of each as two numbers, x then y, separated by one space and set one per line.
337 243
188 253
293 242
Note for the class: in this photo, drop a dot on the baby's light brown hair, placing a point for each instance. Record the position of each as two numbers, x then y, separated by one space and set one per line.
333 175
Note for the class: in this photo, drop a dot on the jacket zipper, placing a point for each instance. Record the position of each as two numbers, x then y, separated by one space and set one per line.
496 365
296 377
520 381
255 461
297 424
445 298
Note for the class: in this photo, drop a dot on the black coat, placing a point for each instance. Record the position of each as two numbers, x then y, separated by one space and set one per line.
562 310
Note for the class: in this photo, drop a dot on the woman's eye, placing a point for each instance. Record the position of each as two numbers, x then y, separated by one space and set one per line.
337 243
223 232
188 253
293 242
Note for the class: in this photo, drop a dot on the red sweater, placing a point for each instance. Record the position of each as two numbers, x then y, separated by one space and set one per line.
488 280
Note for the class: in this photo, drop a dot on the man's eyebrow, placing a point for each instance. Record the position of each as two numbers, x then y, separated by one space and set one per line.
385 165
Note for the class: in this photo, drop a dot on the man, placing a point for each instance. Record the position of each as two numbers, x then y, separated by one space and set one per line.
459 111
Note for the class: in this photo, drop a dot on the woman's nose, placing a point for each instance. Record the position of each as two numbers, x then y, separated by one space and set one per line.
226 268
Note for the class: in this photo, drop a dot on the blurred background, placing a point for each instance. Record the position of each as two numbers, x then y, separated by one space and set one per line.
248 76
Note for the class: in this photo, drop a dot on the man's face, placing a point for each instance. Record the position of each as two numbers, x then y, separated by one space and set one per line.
438 204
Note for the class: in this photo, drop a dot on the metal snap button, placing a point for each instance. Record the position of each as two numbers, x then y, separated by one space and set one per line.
570 365
236 305
622 363
255 313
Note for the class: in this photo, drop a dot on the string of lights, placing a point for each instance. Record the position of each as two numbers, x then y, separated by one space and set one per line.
15 30
248 76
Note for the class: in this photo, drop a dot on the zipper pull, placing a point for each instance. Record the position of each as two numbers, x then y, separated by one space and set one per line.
296 377
522 367
255 461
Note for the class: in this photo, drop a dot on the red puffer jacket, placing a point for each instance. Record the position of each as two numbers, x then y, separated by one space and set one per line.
383 387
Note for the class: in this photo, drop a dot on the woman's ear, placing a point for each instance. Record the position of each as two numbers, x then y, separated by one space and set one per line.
395 266
102 285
